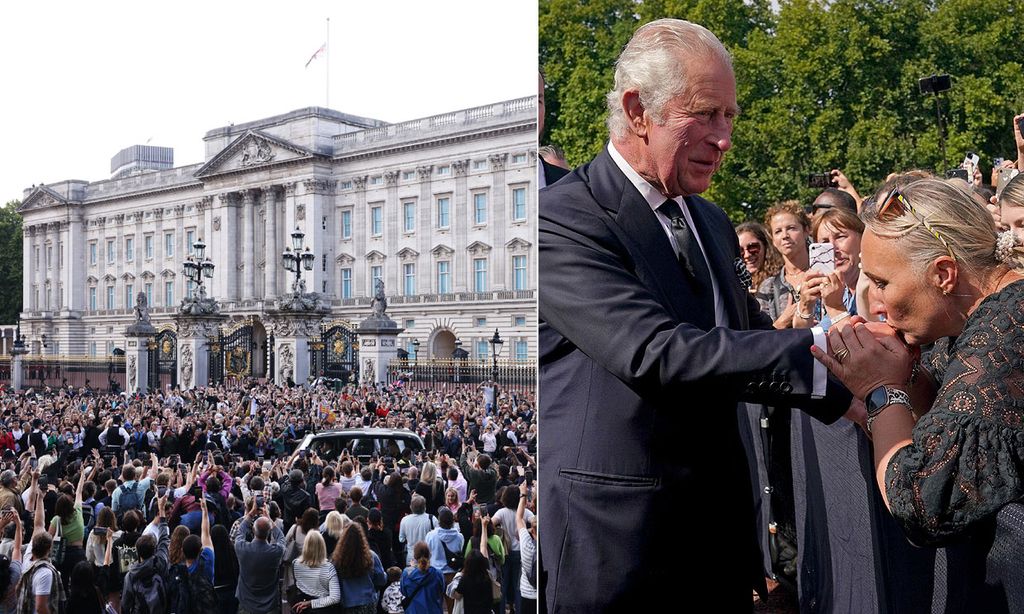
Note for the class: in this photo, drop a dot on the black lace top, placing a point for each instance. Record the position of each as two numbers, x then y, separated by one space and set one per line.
967 456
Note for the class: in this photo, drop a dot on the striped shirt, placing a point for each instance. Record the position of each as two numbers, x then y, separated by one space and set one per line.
320 582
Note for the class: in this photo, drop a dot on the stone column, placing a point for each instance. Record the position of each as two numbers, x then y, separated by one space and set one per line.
225 249
248 247
40 294
27 236
272 256
293 332
499 224
194 335
18 367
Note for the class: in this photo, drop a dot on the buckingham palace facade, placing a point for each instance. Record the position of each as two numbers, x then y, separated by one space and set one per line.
442 209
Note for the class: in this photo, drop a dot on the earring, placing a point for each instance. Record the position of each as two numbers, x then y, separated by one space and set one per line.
945 293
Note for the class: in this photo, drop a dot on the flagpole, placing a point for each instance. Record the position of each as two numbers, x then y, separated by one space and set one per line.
328 79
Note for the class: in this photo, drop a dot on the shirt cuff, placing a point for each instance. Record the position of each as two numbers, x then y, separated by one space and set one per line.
820 379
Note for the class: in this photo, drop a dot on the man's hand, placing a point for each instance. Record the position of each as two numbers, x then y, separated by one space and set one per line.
863 361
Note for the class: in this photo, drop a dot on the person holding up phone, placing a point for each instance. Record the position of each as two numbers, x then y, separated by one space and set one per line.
791 296
842 229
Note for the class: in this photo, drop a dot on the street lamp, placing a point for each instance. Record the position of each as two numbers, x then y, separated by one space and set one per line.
496 342
415 351
295 260
198 266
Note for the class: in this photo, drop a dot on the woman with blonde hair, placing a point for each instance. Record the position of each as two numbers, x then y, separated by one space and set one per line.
946 426
360 571
430 487
422 583
316 588
334 526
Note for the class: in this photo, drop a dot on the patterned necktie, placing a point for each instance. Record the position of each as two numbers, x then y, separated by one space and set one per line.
690 256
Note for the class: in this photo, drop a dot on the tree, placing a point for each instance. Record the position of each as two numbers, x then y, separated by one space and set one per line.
10 262
822 84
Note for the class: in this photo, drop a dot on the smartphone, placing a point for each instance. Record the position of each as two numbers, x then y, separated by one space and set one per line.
823 257
820 181
957 173
480 509
259 501
1003 177
33 462
99 530
969 164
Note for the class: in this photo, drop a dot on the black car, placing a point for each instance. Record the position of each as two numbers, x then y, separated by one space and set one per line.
364 444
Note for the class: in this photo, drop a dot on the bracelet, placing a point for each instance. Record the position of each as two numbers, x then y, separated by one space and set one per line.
802 316
909 409
840 317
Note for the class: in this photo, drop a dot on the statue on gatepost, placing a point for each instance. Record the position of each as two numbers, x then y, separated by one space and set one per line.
141 309
379 304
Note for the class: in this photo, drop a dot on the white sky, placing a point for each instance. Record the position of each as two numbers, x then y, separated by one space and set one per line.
83 80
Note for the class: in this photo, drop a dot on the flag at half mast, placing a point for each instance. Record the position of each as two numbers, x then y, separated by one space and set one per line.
316 54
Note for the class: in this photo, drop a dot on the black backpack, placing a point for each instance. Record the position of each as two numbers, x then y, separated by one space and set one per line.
191 593
149 592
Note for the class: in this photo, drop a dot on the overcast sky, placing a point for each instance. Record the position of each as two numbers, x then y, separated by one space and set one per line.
83 80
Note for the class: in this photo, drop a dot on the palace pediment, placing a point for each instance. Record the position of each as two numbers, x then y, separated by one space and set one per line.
41 198
252 150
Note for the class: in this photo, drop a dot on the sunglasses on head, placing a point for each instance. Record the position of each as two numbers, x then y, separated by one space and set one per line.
896 205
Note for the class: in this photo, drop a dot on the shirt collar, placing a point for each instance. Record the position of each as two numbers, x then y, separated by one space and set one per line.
650 193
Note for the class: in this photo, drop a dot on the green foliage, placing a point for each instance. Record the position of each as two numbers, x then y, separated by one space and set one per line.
822 84
10 262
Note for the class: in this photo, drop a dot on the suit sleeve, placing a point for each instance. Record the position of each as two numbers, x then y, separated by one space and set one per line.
591 295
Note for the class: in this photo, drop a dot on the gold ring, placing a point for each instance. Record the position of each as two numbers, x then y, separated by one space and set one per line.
842 354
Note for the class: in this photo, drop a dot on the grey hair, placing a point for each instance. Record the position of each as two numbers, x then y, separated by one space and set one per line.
951 212
651 64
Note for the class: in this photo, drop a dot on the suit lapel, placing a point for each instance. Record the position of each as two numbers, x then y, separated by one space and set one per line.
720 259
647 242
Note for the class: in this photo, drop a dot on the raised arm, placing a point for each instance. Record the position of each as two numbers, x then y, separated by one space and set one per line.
18 536
207 540
81 486
521 510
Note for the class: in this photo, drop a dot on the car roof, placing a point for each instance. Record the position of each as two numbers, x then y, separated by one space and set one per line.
367 432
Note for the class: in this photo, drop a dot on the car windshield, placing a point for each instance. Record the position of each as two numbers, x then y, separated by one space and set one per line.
363 447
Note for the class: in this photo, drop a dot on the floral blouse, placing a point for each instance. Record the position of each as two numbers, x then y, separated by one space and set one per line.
966 459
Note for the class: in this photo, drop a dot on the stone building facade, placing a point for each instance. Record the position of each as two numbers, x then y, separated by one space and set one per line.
443 209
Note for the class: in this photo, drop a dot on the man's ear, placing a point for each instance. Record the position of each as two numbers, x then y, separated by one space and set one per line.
636 115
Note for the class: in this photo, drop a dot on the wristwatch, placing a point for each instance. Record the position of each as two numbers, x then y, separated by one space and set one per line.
881 398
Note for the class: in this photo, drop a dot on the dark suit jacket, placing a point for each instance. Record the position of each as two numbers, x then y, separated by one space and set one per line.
552 173
645 490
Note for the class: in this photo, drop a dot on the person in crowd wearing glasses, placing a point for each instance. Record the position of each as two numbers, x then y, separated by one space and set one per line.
792 294
946 428
760 257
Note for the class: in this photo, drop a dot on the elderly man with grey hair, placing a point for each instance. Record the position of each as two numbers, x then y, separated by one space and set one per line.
414 527
259 563
645 349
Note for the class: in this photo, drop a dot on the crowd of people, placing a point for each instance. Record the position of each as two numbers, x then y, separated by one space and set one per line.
206 500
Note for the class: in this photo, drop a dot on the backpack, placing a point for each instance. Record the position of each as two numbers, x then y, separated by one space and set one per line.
191 593
150 592
129 500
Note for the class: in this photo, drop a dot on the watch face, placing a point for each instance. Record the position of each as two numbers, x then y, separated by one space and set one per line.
876 400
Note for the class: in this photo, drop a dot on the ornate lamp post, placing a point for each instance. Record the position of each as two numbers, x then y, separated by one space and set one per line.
197 267
296 260
415 352
496 341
